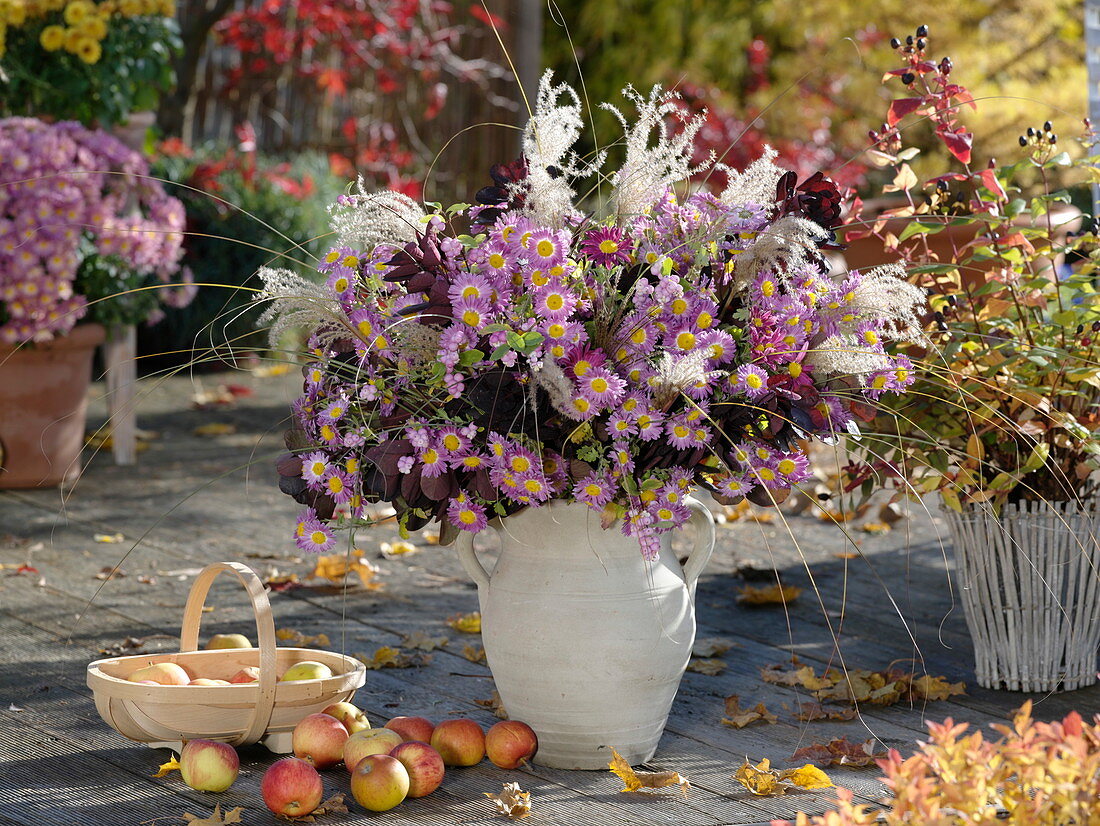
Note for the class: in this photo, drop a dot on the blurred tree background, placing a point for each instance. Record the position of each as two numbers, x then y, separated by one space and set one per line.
806 76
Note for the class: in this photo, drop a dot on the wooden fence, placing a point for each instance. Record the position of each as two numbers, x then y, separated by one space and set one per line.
291 114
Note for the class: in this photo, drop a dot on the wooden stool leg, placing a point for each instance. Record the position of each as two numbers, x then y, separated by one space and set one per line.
119 358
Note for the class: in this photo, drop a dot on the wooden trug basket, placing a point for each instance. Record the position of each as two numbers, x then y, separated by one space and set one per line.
266 711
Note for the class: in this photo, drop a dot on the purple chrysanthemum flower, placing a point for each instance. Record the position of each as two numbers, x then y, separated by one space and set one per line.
601 387
752 381
607 246
315 467
466 514
594 491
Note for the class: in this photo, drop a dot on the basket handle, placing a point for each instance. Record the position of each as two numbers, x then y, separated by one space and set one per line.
265 629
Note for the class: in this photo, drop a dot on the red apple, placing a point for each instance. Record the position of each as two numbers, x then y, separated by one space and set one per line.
319 738
209 766
353 719
248 674
460 742
207 681
369 741
291 787
424 765
510 743
379 782
162 674
412 728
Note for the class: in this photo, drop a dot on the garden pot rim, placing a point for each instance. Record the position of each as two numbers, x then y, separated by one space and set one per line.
80 337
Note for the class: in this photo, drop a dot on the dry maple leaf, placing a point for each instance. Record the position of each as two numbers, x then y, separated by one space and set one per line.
334 805
336 567
390 657
764 781
495 705
216 819
737 717
430 537
812 712
474 653
302 640
399 547
466 623
644 781
512 801
420 641
215 429
803 676
774 594
711 647
928 687
874 527
109 538
712 667
840 751
172 765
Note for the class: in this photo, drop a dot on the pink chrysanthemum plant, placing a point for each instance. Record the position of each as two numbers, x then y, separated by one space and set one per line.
82 226
621 362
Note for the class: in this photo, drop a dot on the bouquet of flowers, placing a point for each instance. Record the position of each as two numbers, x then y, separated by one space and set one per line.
81 221
86 61
553 354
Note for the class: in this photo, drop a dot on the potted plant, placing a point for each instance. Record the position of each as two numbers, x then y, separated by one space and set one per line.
92 62
85 235
570 378
1002 420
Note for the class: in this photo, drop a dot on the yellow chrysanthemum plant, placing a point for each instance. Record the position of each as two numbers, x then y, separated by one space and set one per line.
83 60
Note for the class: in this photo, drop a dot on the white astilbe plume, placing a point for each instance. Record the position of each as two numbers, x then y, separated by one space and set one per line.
551 378
649 170
297 302
844 355
366 219
884 295
548 142
756 185
677 373
787 246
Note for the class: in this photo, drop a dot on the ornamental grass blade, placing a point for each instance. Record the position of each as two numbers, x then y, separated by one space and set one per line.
644 781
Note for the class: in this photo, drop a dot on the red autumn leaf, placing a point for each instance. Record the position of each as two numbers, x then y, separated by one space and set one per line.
488 18
957 143
902 107
839 751
961 95
333 81
990 182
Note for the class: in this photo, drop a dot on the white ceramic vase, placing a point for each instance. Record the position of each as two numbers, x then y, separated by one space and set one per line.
587 640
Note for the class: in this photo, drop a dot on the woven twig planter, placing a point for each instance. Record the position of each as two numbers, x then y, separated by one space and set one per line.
1030 582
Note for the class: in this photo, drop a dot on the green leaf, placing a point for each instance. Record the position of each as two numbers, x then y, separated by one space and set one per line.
499 352
1037 459
470 357
951 499
921 228
1066 318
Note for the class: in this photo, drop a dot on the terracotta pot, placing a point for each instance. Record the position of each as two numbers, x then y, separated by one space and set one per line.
864 253
43 400
587 641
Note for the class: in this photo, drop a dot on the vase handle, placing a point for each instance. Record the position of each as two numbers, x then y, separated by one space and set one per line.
704 543
464 544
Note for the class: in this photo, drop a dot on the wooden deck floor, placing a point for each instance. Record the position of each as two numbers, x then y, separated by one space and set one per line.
193 500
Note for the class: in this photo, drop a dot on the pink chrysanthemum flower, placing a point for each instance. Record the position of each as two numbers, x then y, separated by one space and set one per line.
432 462
342 282
467 514
470 460
650 425
581 360
470 287
472 312
752 380
792 467
594 491
496 257
620 426
555 301
607 246
736 485
316 538
451 441
601 387
334 411
547 248
533 486
315 467
521 461
338 486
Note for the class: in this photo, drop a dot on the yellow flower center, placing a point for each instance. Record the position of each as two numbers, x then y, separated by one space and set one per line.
467 517
609 247
521 464
592 489
496 261
599 385
430 457
452 442
581 367
685 340
471 317
555 301
679 306
471 292
545 248
786 467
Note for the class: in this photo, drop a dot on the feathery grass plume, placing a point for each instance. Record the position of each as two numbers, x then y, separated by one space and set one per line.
366 219
756 185
297 302
649 170
559 390
673 374
547 145
884 295
843 355
787 246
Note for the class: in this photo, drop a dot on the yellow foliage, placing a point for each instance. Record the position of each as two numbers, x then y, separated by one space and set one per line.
643 781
